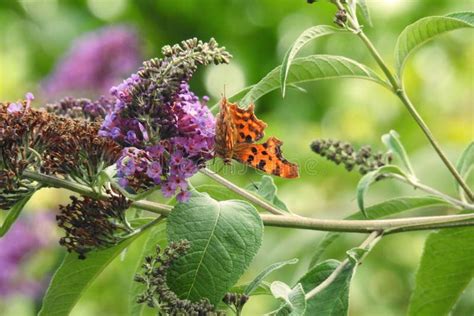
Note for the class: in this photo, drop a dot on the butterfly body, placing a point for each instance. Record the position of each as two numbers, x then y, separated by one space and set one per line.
238 130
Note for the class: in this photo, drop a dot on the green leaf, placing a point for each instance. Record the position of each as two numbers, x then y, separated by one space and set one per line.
393 143
294 299
465 164
218 192
332 300
258 280
156 236
423 30
305 37
370 178
384 209
446 268
74 276
13 214
262 289
224 237
267 189
364 10
312 68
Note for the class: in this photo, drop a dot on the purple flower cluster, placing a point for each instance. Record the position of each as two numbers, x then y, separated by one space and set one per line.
96 61
26 237
166 142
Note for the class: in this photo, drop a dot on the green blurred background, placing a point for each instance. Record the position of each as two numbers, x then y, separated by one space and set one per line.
35 34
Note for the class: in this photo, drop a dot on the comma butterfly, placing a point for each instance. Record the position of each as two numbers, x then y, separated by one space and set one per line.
238 130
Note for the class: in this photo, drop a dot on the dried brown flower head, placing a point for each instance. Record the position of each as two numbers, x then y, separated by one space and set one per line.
93 224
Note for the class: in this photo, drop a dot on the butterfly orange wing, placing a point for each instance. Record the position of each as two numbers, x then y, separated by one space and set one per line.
266 157
226 132
250 128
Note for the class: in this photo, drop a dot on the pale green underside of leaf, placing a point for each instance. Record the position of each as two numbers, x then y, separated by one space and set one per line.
312 68
393 143
260 277
334 299
156 236
294 302
384 209
74 276
368 179
305 37
364 10
224 236
446 268
267 189
425 29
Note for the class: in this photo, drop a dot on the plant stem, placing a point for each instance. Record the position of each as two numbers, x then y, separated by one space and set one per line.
354 226
368 244
419 120
398 90
367 226
433 191
244 193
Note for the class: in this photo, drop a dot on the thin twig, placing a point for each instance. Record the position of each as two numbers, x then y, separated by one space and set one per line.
367 245
433 191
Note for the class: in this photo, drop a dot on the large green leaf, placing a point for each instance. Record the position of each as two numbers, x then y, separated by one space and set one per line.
384 209
312 68
74 276
423 30
156 236
446 268
465 164
13 214
334 298
305 37
224 237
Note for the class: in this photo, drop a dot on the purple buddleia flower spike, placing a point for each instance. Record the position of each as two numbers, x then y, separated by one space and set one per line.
95 62
167 132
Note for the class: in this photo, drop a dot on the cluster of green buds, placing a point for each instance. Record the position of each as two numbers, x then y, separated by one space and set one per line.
364 160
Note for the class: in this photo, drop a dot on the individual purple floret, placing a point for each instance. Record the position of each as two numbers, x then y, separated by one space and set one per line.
27 236
95 62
